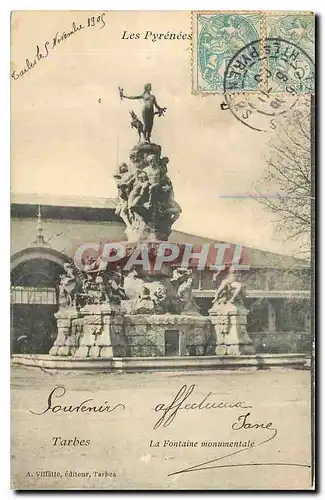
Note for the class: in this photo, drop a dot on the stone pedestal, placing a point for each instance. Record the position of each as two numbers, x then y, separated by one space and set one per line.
229 321
102 331
65 341
148 335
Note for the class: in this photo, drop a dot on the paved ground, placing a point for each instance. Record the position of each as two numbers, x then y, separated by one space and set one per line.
121 453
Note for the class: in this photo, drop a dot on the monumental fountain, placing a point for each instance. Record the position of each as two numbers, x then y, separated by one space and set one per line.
108 312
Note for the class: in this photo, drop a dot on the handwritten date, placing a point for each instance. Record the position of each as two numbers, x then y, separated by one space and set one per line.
43 50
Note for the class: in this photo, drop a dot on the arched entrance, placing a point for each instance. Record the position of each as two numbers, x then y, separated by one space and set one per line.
35 275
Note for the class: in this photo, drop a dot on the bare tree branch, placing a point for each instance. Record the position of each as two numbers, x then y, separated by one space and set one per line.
288 177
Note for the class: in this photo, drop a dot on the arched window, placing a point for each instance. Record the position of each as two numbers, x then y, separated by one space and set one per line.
35 276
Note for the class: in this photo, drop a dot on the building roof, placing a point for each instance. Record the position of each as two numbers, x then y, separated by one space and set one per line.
62 201
102 209
256 257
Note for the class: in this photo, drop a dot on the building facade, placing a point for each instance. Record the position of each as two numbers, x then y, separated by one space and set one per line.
46 232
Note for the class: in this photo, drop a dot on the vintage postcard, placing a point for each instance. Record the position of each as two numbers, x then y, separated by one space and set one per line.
162 207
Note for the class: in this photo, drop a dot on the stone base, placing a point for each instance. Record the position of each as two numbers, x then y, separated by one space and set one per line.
82 351
168 364
93 331
65 343
234 349
229 321
105 331
64 351
54 351
94 351
106 352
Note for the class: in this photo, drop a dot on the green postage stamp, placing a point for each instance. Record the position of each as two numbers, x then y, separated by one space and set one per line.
255 51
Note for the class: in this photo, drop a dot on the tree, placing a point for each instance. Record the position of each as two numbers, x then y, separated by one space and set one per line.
288 176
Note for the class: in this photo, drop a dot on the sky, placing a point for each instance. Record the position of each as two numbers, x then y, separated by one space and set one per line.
69 129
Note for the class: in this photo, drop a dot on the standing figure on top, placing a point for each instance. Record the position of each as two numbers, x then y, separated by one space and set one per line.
148 110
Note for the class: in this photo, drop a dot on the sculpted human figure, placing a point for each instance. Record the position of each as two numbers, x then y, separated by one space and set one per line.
153 169
230 289
99 287
125 181
171 207
68 285
63 297
184 280
144 304
154 176
139 196
160 298
148 110
102 292
70 273
115 284
163 165
91 268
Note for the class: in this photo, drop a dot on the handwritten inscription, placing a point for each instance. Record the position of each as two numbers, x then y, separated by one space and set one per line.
243 423
43 50
84 406
169 411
